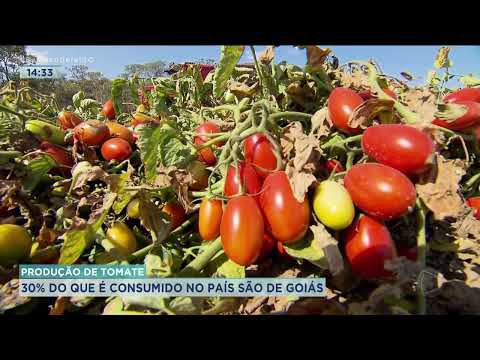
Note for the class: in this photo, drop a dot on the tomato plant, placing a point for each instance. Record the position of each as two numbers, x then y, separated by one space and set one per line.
332 165
380 191
333 206
368 245
259 151
341 104
176 212
91 132
286 218
116 149
244 177
15 244
466 94
401 147
68 120
242 230
210 218
119 131
206 155
122 238
470 118
474 202
109 110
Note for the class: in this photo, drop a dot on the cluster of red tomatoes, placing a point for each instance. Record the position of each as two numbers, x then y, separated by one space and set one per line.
385 190
261 212
470 121
115 140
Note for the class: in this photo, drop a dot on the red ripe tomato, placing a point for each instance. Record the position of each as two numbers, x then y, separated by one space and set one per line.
242 230
60 155
246 177
206 155
380 191
120 131
341 104
68 120
176 213
368 245
269 244
474 202
259 151
116 149
470 118
210 218
466 94
410 253
108 110
286 218
401 147
91 132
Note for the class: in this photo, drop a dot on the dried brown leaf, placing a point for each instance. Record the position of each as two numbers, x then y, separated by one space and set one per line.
267 55
454 297
367 111
303 160
316 56
85 175
61 304
321 123
421 101
467 226
46 236
242 90
439 190
330 248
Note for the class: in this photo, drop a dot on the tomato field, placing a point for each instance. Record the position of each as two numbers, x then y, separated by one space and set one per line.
256 170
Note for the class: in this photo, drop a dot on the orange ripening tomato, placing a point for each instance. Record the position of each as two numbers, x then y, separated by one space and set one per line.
210 218
242 230
245 176
91 132
109 110
68 120
119 131
474 203
286 218
176 213
206 155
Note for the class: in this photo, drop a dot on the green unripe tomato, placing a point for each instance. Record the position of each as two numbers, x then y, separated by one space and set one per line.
333 205
122 239
133 209
15 244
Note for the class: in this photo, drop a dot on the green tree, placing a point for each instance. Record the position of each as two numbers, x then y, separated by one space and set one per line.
11 57
144 71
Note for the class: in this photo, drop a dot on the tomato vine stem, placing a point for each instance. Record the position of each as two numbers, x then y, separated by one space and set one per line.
421 257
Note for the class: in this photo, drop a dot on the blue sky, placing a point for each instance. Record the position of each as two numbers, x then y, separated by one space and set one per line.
110 60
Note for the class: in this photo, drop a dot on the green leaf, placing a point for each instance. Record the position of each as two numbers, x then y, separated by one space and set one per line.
123 197
186 305
308 249
37 170
470 80
230 55
151 302
160 143
76 241
77 98
133 85
222 266
117 88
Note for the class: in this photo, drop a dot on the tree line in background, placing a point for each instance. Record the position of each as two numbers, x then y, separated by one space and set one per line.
77 77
